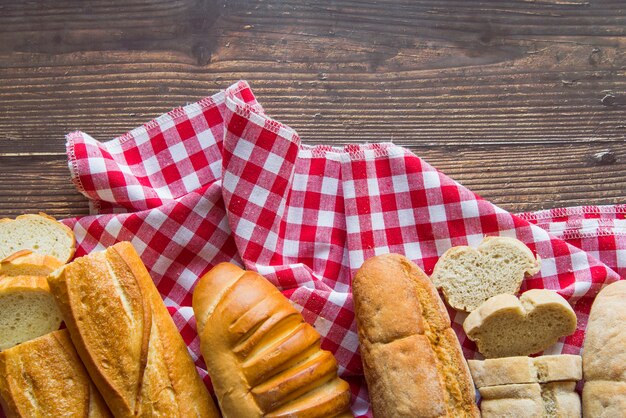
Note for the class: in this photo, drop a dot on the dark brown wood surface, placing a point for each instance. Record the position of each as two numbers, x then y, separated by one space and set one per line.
523 101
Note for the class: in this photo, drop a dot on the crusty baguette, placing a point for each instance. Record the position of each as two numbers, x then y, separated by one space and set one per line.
531 400
28 263
469 276
126 337
27 310
604 354
509 370
41 234
45 378
263 359
505 326
412 359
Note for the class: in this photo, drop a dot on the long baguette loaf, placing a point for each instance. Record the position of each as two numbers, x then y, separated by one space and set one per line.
604 354
263 359
45 378
412 359
126 337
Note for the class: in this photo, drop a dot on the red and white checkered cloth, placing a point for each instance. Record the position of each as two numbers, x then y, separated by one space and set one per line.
218 180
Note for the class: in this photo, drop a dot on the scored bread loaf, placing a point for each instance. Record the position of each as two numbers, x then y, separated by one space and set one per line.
263 359
126 338
41 234
27 310
508 370
531 400
505 326
412 359
28 263
469 276
604 354
45 378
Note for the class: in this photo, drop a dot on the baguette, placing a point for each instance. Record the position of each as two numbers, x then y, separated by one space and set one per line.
45 378
263 359
28 263
604 354
27 310
412 359
126 337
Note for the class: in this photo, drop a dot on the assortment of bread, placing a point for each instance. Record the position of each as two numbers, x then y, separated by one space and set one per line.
121 354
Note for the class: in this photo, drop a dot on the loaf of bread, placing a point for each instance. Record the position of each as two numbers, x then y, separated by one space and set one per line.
27 310
469 276
604 354
45 378
41 234
28 263
504 326
530 400
412 359
126 338
509 370
263 359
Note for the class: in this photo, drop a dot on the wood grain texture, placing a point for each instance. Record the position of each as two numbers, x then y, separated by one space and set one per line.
522 101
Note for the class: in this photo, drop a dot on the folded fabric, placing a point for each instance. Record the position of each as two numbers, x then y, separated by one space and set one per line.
218 180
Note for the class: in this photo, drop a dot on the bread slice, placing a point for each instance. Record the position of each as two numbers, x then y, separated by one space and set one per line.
510 370
27 309
505 326
28 263
469 276
531 400
41 234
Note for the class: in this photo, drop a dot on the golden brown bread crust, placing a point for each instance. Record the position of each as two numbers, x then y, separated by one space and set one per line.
28 263
263 359
412 359
45 378
126 337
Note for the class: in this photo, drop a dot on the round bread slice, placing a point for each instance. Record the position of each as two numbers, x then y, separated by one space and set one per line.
28 263
41 234
27 310
469 276
505 326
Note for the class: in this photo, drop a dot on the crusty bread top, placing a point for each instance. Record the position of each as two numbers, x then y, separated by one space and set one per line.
506 326
45 378
263 358
604 351
28 263
412 359
469 276
509 370
40 233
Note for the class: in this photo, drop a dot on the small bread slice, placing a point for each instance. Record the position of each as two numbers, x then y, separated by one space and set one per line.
28 263
530 400
505 326
41 234
469 276
27 310
513 370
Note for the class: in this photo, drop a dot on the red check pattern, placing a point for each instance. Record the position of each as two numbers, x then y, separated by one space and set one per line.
218 180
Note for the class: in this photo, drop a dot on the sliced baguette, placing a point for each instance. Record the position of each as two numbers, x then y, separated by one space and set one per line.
27 308
28 263
505 326
469 276
41 234
513 370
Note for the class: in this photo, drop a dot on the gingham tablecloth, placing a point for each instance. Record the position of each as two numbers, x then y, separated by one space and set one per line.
218 180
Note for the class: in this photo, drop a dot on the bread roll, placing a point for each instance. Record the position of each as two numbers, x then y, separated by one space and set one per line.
45 378
263 359
412 359
126 337
604 354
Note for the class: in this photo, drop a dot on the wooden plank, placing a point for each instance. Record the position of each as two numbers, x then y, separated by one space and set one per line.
520 178
427 73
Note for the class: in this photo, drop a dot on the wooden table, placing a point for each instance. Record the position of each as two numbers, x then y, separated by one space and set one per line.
523 101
